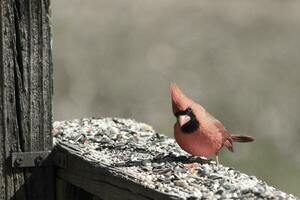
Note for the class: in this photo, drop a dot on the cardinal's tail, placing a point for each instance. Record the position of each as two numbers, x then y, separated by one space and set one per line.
242 138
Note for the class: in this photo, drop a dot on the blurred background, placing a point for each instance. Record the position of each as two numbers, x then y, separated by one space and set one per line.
240 59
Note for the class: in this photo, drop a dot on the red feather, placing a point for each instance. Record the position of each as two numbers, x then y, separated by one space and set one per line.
211 135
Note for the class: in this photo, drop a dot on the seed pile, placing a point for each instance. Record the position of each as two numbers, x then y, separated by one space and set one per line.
157 162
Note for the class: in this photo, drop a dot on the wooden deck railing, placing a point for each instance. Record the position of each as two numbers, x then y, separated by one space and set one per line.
111 158
92 158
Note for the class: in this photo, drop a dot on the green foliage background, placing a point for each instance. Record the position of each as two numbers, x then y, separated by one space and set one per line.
240 59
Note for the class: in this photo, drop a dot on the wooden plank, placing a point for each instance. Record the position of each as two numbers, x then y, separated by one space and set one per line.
114 158
25 96
67 191
102 181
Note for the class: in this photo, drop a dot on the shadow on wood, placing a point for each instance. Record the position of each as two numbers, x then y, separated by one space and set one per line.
38 182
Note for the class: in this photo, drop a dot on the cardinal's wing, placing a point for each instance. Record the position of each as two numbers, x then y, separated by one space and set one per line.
227 140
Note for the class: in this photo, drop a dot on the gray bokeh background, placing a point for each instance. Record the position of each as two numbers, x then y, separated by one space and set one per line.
240 59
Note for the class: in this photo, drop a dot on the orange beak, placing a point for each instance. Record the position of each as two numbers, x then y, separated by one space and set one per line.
183 119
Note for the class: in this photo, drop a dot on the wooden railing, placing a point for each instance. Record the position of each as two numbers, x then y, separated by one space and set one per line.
112 158
25 98
92 158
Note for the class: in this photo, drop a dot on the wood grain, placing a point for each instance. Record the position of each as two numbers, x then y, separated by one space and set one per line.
25 96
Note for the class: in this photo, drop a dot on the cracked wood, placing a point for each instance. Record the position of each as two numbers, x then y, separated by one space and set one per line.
25 96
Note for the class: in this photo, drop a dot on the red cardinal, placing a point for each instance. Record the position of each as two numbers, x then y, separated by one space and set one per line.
198 132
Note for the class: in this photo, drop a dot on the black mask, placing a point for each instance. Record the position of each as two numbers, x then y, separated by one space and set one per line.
191 125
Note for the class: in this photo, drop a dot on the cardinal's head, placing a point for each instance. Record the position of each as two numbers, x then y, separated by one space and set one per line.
183 110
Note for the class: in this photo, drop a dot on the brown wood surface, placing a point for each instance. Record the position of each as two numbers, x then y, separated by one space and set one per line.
25 96
104 182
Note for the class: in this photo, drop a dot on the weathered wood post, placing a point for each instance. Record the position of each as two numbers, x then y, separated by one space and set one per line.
25 99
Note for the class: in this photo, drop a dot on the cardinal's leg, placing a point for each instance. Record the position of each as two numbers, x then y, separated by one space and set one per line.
217 159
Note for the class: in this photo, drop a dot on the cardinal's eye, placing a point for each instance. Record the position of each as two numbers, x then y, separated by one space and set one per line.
189 109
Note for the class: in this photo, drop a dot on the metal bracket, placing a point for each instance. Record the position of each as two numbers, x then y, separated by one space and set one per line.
37 159
29 159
